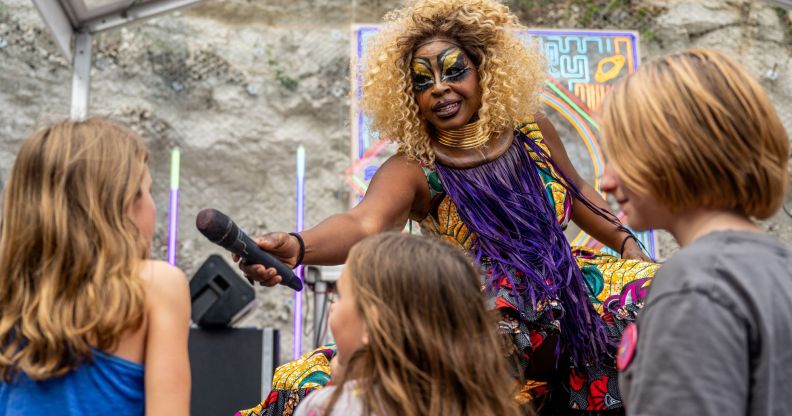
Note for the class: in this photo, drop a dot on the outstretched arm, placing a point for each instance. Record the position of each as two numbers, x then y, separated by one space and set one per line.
397 192
593 224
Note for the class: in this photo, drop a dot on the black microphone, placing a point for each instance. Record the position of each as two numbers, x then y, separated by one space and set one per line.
219 229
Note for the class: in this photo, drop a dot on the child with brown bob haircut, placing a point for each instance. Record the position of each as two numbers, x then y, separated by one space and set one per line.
414 336
696 148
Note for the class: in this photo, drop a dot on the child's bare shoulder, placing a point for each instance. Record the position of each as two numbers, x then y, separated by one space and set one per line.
164 281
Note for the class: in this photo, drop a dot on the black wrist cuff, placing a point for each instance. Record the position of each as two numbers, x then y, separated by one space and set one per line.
624 242
302 250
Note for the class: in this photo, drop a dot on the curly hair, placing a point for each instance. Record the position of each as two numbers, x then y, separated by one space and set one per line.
511 73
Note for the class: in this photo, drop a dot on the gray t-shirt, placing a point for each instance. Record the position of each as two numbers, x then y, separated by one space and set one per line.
715 336
348 403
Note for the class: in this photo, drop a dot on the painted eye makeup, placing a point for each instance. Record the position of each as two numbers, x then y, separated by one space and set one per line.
454 65
422 76
455 74
421 83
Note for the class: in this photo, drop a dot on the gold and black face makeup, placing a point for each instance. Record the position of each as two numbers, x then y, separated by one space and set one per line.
451 66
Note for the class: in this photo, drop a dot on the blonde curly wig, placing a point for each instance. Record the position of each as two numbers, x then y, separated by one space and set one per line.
511 73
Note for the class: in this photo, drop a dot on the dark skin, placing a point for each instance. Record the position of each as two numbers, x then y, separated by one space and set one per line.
449 97
588 221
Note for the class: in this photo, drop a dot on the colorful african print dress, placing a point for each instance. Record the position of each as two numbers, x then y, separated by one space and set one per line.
616 288
532 323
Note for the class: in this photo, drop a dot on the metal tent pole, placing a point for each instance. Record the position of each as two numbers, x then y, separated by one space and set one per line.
81 75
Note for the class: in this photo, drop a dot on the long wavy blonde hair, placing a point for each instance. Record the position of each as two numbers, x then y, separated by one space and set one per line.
69 251
433 347
511 73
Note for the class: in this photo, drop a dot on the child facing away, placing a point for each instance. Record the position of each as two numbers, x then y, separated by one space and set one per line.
696 148
413 335
88 325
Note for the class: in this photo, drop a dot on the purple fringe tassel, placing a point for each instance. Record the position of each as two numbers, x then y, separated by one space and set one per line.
504 203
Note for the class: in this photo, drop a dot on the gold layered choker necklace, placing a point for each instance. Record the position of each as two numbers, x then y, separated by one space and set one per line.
468 137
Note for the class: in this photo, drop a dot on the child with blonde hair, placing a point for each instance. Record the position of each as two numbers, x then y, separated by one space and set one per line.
696 148
414 336
88 325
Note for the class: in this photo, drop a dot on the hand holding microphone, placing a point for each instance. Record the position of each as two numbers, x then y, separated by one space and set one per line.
219 229
282 246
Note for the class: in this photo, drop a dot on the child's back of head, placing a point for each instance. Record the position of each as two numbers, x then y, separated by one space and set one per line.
69 251
430 343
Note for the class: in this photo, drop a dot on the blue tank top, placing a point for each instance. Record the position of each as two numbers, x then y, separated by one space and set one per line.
108 385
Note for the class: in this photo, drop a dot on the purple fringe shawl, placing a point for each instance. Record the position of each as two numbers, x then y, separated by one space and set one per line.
504 203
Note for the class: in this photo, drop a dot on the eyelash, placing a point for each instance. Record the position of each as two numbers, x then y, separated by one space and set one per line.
456 76
421 86
453 77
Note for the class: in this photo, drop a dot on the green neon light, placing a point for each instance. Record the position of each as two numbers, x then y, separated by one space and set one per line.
174 173
360 183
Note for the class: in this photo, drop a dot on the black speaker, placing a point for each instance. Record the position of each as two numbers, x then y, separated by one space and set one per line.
219 296
231 368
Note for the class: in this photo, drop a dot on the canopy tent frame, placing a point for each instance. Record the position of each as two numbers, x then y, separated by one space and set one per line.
73 24
781 3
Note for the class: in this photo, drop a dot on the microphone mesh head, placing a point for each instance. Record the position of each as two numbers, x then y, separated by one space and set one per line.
212 223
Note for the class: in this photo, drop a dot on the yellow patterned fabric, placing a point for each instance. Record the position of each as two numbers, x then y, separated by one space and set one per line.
293 381
556 192
613 279
559 194
529 391
301 371
450 226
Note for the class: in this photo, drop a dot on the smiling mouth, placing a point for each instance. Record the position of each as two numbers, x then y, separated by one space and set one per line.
447 109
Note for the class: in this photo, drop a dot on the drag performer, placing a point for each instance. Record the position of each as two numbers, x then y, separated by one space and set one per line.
453 85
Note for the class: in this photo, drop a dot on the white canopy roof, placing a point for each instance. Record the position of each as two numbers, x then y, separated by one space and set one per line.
64 18
73 22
